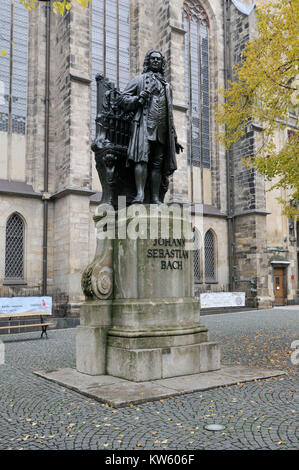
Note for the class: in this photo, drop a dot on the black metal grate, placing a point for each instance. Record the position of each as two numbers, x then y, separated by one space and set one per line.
210 256
14 248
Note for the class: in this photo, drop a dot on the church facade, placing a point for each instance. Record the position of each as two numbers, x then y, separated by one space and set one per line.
49 187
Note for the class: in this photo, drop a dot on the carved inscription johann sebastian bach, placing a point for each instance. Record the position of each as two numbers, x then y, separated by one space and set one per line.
169 251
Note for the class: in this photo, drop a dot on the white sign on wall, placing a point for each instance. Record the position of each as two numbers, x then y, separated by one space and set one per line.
222 299
13 305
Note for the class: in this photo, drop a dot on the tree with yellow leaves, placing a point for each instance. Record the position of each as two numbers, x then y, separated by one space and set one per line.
58 7
265 90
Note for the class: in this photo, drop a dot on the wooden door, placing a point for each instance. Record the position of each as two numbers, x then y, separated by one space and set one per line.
279 286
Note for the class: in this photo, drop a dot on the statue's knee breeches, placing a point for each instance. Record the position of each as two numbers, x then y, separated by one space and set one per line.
156 156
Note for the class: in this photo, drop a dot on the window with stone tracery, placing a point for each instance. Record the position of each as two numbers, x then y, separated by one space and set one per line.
210 257
197 83
110 44
14 248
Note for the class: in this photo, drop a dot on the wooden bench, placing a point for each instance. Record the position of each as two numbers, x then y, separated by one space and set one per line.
41 323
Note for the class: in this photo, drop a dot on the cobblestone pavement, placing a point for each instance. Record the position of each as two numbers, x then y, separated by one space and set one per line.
37 414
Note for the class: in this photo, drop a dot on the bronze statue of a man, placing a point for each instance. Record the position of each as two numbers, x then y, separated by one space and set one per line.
153 141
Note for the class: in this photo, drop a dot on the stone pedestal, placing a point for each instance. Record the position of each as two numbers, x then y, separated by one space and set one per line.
91 339
149 328
95 313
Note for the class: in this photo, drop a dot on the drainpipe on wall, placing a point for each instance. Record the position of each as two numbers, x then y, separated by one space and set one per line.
228 153
46 195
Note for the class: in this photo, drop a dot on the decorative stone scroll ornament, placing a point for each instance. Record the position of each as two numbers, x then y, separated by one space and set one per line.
97 279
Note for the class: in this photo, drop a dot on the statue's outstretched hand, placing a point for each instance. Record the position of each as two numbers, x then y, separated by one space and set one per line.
178 147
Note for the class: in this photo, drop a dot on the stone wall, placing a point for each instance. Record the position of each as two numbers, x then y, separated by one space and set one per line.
248 189
36 98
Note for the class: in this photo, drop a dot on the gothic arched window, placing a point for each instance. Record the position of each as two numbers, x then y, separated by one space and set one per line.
110 43
14 248
210 258
197 80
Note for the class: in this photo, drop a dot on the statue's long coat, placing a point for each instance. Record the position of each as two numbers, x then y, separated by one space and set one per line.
139 147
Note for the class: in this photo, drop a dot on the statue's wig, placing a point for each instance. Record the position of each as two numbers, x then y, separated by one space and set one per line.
146 62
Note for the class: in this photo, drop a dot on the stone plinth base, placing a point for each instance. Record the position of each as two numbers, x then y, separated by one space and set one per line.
159 338
118 392
91 349
139 365
91 337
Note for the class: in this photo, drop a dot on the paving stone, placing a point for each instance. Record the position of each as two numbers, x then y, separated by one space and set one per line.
253 339
118 392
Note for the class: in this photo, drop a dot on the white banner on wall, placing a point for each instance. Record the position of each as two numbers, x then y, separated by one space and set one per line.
13 305
222 299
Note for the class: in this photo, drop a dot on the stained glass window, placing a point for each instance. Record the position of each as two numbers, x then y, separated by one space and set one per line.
197 81
13 67
110 44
